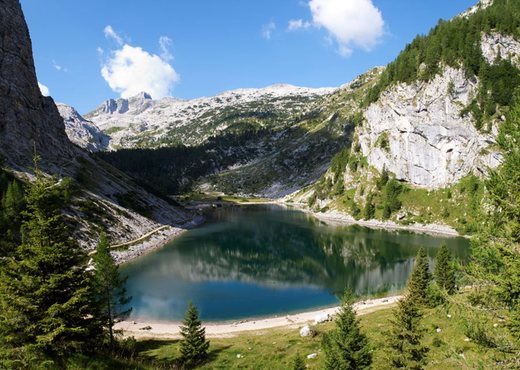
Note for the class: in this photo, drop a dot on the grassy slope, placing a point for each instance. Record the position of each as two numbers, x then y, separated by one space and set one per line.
276 349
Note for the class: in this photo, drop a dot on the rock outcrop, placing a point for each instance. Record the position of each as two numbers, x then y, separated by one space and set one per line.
416 131
81 132
29 122
498 46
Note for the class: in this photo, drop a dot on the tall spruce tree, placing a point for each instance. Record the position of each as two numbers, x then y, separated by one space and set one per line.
46 300
346 347
194 346
444 271
11 206
405 337
420 279
496 249
110 288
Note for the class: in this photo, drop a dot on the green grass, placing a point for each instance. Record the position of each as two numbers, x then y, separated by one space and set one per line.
457 206
113 130
276 348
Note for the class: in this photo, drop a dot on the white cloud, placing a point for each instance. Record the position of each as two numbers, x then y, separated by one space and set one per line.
44 89
130 70
164 43
350 22
296 24
111 34
58 67
267 30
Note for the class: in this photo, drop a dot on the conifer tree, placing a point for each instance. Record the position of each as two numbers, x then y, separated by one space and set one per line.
13 200
346 347
110 288
444 271
496 249
370 209
299 363
420 279
405 336
46 300
194 346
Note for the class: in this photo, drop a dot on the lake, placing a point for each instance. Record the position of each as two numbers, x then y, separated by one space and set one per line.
264 260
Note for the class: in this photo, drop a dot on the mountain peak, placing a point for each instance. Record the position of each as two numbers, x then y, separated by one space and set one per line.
141 95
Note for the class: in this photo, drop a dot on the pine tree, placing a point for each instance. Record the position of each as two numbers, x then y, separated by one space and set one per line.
299 363
346 347
110 288
46 300
496 249
420 279
370 209
444 271
13 201
194 346
11 207
405 337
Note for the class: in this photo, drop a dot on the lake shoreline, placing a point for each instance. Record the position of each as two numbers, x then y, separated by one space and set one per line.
154 242
170 329
336 217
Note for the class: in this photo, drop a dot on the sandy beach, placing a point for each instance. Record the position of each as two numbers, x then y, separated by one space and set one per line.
170 329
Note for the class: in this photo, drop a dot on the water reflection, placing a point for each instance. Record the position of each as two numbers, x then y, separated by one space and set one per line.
260 260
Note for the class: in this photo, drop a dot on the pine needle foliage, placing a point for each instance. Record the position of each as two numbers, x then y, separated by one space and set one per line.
420 279
346 347
194 346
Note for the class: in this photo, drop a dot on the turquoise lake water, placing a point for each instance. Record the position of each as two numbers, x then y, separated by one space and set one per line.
263 260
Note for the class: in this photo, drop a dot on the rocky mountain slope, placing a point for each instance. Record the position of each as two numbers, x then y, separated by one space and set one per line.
81 132
428 128
141 121
267 142
31 124
416 132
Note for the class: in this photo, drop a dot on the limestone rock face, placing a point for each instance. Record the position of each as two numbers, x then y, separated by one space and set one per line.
496 45
81 132
416 131
29 122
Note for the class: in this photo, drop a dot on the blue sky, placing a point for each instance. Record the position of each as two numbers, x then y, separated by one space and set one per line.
210 46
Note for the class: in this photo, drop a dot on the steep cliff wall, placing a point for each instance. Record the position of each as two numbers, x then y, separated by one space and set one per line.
417 132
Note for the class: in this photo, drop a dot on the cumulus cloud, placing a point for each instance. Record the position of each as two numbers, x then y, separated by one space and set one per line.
267 30
44 89
113 35
130 70
296 24
349 22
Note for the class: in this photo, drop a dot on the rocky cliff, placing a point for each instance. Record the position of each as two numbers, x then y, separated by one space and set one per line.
31 124
81 132
416 131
